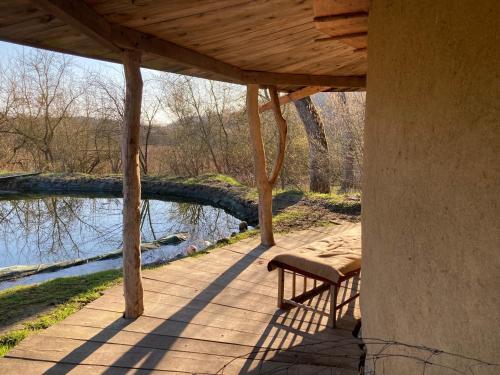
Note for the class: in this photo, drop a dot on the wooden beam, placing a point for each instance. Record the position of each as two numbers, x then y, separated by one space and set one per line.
132 280
273 79
343 36
116 37
364 49
293 96
342 16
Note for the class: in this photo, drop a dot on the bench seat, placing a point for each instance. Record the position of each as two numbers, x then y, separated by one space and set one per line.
332 260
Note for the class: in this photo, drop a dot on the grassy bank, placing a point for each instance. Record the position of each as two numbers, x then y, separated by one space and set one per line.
27 309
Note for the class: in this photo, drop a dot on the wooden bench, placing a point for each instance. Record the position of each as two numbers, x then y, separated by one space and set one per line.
331 261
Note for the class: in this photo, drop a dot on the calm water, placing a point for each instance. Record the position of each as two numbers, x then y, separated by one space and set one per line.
54 229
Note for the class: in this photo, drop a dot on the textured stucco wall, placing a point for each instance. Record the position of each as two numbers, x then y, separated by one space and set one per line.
431 194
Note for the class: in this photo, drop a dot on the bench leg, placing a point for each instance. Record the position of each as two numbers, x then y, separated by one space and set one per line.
281 287
333 304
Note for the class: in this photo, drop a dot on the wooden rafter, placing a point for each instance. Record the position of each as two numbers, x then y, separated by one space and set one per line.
294 96
83 18
341 17
361 34
272 79
343 21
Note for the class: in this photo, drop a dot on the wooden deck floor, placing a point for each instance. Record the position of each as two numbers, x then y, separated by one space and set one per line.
213 314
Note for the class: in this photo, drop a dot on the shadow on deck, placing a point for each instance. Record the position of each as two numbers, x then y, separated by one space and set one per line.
214 314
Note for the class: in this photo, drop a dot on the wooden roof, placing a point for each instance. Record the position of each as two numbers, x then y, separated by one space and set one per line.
243 41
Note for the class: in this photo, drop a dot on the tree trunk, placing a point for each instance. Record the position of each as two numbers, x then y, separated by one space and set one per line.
132 281
348 144
319 166
347 181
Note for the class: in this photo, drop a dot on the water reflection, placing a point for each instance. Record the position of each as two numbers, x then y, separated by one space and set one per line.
53 229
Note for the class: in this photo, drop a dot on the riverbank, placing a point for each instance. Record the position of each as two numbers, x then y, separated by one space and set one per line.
293 209
214 190
21 271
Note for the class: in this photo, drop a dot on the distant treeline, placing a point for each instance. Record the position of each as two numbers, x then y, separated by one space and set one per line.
57 116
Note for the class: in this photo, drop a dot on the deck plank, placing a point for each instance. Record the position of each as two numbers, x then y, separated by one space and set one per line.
202 315
140 357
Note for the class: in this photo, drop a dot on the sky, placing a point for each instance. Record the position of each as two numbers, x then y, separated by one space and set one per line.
9 50
111 70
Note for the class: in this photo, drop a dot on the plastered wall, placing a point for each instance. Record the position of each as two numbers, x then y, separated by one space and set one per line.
431 189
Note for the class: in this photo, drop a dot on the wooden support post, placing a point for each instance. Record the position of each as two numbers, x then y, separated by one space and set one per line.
265 183
132 282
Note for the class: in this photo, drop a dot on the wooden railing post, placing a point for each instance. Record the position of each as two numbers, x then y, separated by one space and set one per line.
264 183
132 280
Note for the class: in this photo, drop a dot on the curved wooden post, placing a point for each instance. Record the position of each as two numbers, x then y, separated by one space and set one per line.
132 280
282 129
265 183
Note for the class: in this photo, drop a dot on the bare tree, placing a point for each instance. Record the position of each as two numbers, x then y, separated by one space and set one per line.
319 166
43 96
56 116
345 112
151 108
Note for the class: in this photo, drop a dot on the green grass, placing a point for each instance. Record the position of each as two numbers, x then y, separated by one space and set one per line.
7 172
210 178
335 199
252 194
39 306
287 215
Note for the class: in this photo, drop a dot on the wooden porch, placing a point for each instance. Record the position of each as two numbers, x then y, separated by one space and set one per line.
212 314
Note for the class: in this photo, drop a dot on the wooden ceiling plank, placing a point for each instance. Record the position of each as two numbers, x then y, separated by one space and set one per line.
83 18
266 37
327 7
169 12
78 15
261 50
294 96
254 14
297 57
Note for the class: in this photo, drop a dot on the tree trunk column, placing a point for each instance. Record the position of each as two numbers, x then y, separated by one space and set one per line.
132 282
319 166
264 183
263 186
